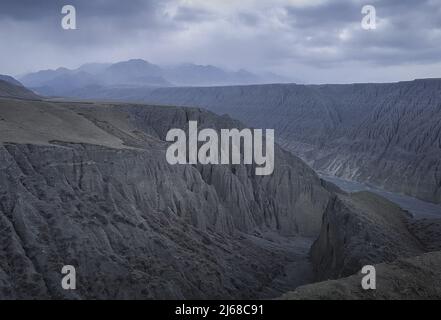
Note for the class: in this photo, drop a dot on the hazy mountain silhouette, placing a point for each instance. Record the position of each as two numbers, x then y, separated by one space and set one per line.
137 73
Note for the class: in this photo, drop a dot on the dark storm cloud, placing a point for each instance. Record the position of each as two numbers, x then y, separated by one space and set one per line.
329 15
49 9
100 24
124 14
408 31
314 40
185 14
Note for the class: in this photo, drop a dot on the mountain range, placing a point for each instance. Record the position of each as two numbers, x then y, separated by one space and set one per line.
137 73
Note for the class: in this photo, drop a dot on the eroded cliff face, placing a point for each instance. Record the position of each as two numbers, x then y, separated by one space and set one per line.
361 229
384 134
416 278
133 225
293 187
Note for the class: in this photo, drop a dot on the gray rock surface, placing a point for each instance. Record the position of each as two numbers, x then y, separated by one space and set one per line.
427 231
361 229
388 135
364 229
415 278
87 185
11 89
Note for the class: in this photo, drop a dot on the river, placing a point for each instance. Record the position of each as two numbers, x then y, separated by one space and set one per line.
418 208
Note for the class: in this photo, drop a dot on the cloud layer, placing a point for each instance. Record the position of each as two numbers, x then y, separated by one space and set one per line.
314 41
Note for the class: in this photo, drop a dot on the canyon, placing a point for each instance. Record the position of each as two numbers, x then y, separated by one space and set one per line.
386 135
87 184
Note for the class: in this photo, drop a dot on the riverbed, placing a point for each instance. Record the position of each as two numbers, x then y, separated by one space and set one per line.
418 208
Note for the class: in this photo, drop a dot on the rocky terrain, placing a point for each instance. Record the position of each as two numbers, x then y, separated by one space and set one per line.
361 229
415 278
11 88
87 185
388 135
364 229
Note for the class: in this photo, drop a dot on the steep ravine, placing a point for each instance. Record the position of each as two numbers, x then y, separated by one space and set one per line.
134 226
364 229
388 135
361 229
415 278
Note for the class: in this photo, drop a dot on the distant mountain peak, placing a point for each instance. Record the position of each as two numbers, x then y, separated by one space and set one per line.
136 62
62 69
137 73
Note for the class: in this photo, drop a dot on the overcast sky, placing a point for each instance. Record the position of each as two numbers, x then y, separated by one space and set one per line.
312 41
